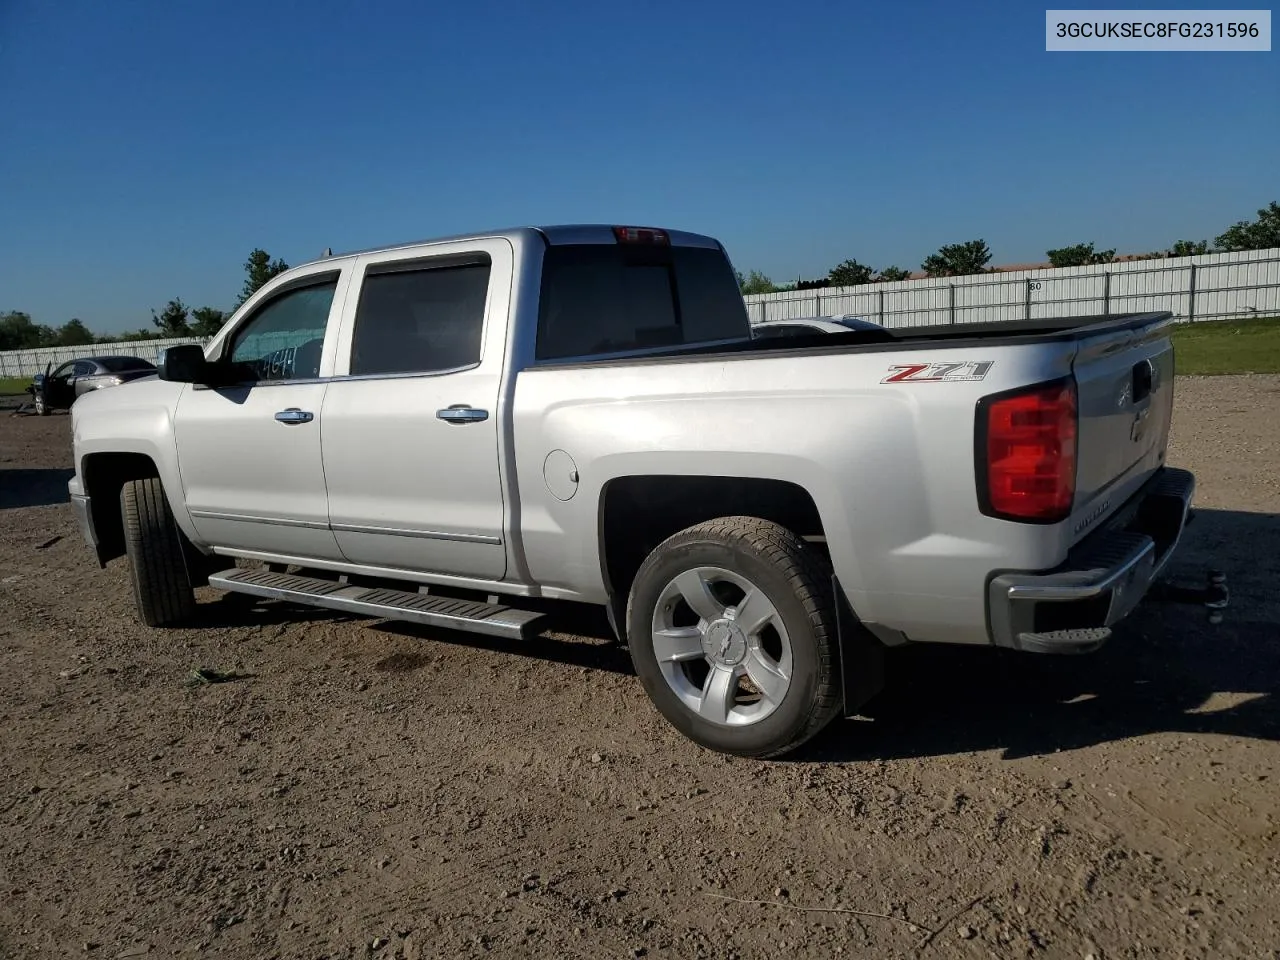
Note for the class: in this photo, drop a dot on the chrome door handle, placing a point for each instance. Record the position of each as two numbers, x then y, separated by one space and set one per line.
461 413
294 415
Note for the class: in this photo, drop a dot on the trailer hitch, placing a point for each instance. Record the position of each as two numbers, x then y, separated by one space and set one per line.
1213 597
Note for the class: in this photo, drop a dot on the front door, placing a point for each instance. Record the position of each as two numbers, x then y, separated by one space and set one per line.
411 433
249 453
59 387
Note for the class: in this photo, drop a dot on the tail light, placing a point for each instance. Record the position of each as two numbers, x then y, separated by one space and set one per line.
641 235
1026 453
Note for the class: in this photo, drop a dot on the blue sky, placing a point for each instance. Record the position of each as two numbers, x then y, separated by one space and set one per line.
150 145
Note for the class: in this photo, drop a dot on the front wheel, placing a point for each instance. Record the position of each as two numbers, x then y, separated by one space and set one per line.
42 405
731 625
154 545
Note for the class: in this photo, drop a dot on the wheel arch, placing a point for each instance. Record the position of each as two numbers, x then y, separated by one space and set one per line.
639 511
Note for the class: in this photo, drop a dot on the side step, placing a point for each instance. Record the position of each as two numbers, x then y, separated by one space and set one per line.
488 618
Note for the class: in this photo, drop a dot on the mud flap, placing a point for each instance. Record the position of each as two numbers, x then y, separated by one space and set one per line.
861 655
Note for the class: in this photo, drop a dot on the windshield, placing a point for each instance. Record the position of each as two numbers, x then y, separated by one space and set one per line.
605 298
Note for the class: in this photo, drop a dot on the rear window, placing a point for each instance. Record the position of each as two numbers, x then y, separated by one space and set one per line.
605 298
420 320
124 364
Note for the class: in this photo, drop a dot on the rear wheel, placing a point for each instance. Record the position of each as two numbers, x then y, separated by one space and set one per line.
731 625
155 547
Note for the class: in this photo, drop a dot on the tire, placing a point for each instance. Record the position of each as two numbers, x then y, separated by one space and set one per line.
154 545
42 407
693 664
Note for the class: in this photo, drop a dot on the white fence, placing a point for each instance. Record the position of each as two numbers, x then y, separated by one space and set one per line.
1213 286
27 363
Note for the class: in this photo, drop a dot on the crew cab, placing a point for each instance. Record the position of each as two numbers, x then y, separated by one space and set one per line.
457 432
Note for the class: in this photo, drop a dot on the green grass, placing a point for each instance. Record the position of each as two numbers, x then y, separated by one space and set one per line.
10 386
1228 346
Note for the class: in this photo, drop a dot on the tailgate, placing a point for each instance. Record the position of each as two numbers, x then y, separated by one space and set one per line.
1125 382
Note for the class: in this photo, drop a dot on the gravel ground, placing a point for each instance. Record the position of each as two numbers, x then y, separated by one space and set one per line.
368 789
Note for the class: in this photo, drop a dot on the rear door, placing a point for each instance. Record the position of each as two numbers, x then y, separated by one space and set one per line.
411 425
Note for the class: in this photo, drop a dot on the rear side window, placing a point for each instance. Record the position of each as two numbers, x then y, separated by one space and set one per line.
604 298
420 320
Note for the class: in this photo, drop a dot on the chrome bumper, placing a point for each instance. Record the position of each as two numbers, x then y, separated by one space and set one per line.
1072 608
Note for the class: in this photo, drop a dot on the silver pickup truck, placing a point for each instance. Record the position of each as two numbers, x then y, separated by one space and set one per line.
455 432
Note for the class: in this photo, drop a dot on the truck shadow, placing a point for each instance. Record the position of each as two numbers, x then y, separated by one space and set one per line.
1166 669
34 487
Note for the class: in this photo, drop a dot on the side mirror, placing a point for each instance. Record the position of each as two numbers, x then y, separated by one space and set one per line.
183 364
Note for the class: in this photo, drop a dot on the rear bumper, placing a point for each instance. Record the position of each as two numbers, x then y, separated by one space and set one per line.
1072 608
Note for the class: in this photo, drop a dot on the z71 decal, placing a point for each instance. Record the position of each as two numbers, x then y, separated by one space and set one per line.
939 372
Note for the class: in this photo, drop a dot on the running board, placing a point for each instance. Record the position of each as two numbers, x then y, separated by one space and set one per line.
487 618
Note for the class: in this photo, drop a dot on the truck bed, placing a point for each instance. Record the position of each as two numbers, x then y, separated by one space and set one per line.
994 334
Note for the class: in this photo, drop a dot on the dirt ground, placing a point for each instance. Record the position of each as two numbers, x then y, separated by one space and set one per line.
370 789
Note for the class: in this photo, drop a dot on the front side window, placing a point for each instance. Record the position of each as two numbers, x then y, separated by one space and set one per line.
63 372
284 338
419 319
83 368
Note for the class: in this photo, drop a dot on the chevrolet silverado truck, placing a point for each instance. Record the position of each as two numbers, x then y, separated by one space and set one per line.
464 432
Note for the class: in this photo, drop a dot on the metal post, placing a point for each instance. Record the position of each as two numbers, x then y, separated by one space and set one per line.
952 295
1191 296
880 308
1028 306
1106 291
818 295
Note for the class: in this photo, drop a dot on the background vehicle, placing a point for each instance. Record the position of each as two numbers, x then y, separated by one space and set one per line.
59 389
453 432
807 325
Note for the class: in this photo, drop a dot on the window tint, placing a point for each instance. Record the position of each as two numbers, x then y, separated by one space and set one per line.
606 298
283 340
83 368
124 364
420 320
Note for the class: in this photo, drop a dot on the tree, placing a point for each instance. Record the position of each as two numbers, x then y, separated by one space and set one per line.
73 333
206 321
958 259
259 268
173 320
1080 255
850 274
1189 248
1259 235
19 332
894 273
755 282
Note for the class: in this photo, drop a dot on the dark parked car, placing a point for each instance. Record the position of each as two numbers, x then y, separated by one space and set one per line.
59 389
